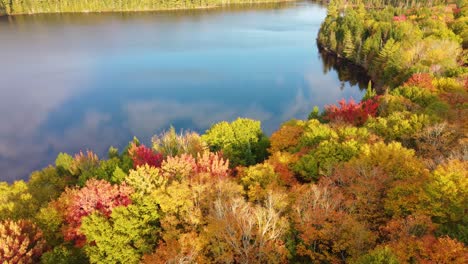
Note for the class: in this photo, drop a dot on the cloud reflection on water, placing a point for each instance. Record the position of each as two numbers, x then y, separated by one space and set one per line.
77 82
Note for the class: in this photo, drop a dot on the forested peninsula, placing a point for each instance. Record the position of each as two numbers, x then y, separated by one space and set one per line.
383 180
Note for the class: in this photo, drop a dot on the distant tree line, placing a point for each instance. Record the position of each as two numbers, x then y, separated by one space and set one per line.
11 7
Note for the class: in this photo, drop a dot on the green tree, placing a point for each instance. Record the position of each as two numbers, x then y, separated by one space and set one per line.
241 141
123 237
448 198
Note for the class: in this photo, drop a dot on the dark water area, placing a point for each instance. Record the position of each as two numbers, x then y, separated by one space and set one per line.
88 81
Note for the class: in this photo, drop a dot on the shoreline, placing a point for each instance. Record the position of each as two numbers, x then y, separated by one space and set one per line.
376 84
208 7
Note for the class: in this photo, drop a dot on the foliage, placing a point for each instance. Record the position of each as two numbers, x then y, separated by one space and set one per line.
240 232
96 195
241 141
20 242
314 114
212 164
16 202
314 133
326 233
179 167
64 162
422 80
123 236
64 255
388 183
370 92
388 175
412 240
352 112
398 125
379 255
448 198
393 43
324 158
286 138
144 180
170 143
46 185
256 179
420 96
142 155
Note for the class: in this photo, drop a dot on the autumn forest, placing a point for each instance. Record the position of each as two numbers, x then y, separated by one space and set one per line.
380 180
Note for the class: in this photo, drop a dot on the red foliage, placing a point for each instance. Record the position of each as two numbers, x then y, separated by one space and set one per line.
95 196
20 242
412 240
422 80
356 114
142 155
212 163
399 18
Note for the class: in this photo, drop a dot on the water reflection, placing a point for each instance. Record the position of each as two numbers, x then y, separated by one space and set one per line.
73 82
347 71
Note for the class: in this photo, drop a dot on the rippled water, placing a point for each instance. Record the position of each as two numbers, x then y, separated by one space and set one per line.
87 81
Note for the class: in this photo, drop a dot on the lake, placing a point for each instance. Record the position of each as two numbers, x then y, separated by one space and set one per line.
88 81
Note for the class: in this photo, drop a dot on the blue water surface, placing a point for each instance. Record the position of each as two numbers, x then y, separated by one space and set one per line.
88 81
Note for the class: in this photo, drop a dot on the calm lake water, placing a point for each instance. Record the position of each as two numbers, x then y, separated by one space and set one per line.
88 81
